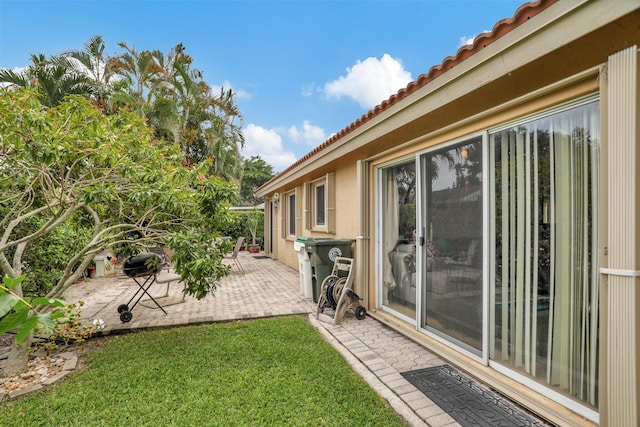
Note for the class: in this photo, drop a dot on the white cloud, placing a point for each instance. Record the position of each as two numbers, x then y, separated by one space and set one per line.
309 134
308 90
467 40
226 85
266 143
371 81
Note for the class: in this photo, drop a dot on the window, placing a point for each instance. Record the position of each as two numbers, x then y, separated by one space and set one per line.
453 232
544 295
319 205
397 208
495 237
291 214
320 209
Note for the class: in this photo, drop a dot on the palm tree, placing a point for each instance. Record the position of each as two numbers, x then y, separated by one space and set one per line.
185 112
96 66
138 70
51 78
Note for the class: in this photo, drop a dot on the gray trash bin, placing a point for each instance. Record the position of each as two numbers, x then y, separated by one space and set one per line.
322 253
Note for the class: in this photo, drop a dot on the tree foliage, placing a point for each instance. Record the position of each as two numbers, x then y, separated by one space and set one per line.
111 152
255 173
164 89
73 163
18 312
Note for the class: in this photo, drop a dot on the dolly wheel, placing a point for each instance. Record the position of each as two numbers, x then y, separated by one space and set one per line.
361 312
122 308
126 316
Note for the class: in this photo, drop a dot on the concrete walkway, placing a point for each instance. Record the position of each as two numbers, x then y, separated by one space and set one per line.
269 288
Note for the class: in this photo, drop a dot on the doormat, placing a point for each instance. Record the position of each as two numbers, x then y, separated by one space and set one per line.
465 401
261 257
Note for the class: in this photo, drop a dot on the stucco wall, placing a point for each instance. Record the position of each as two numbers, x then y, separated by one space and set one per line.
346 206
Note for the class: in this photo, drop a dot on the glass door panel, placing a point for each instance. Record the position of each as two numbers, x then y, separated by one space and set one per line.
453 231
398 214
545 295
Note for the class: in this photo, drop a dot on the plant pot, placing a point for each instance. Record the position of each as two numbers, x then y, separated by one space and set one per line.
91 271
254 249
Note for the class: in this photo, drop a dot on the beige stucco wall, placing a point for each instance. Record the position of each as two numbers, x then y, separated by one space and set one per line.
346 206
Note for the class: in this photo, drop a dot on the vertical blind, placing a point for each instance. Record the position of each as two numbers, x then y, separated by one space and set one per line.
545 279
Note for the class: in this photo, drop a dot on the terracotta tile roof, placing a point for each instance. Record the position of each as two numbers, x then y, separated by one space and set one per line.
502 27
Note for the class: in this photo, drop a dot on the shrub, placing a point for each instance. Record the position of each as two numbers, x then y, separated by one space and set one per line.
46 260
241 225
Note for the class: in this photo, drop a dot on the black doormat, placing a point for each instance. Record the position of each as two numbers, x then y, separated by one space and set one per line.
261 257
465 401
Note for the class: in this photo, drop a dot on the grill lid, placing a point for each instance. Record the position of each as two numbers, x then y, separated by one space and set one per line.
142 265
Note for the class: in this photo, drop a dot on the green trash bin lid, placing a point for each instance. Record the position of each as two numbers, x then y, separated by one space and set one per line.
311 244
326 241
326 250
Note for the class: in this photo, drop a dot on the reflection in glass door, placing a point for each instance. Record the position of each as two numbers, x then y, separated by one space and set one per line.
398 215
453 231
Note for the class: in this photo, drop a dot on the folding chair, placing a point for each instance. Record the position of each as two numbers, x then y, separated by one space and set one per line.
166 262
234 254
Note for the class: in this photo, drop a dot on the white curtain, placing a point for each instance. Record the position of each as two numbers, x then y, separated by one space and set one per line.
390 209
546 314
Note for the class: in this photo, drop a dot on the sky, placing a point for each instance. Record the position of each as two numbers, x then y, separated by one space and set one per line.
301 70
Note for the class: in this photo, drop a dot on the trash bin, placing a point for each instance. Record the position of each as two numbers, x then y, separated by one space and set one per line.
322 253
304 267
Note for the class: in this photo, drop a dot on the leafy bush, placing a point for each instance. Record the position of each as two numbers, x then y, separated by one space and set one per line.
46 260
241 225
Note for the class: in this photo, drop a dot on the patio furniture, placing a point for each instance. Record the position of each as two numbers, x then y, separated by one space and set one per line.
234 255
138 267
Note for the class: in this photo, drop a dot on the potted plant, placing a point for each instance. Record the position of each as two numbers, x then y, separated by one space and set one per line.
253 221
91 270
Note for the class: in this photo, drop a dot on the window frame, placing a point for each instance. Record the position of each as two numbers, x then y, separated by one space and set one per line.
489 260
319 209
311 204
291 215
291 219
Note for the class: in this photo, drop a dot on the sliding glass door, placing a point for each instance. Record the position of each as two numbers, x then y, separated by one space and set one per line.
452 227
398 217
529 307
545 278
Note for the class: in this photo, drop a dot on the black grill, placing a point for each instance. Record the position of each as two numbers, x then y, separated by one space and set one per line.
142 265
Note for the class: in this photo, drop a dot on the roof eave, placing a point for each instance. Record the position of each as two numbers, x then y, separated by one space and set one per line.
491 56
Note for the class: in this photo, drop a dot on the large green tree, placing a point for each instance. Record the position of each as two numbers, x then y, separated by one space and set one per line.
256 171
96 66
164 89
182 108
72 163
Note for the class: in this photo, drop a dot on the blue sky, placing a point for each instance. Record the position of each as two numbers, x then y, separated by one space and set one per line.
302 70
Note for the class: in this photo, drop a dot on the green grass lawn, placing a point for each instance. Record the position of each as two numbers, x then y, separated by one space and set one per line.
271 372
